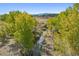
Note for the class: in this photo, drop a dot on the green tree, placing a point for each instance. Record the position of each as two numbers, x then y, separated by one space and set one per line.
24 25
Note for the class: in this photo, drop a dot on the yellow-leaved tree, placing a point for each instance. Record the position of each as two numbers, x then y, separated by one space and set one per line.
66 35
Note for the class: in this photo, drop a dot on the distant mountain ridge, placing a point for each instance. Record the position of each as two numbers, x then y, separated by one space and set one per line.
45 15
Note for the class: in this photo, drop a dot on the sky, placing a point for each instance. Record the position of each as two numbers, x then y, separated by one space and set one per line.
34 8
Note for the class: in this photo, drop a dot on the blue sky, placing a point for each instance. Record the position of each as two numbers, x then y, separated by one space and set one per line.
34 8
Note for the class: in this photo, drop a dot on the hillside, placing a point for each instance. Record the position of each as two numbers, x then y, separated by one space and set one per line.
45 15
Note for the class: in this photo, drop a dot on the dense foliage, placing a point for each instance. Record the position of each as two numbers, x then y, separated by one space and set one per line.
20 26
24 25
66 31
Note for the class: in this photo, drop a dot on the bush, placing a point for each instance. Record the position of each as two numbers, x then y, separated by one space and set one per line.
66 33
24 24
